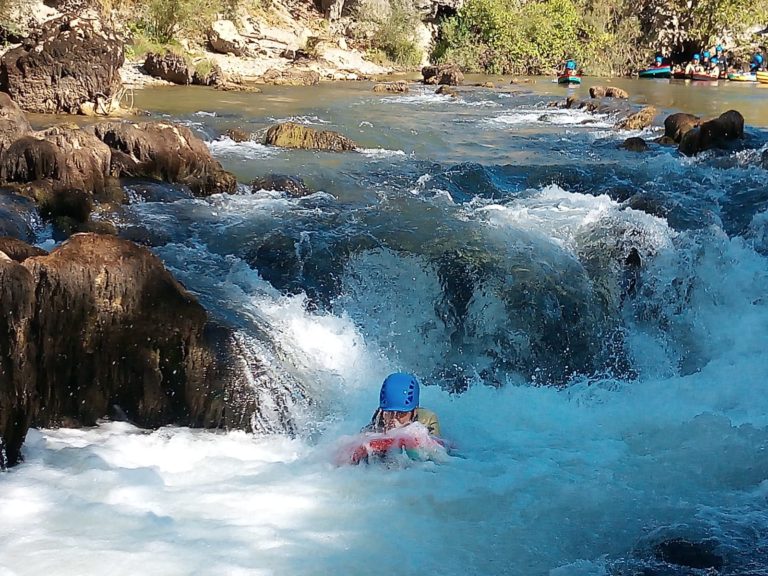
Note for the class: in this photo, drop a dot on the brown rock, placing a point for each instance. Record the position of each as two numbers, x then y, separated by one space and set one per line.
18 393
170 67
19 250
290 135
713 133
447 91
291 77
13 122
291 185
392 87
676 125
238 135
68 62
166 152
639 120
607 92
635 144
449 74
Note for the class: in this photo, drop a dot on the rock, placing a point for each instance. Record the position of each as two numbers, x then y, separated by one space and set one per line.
290 135
678 124
166 152
140 338
400 87
238 135
225 39
635 144
607 92
19 250
69 62
67 169
698 555
170 67
13 122
291 185
764 160
522 81
639 120
447 91
449 74
713 133
18 392
291 77
486 85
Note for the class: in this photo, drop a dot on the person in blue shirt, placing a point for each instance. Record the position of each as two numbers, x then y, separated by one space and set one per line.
757 64
569 68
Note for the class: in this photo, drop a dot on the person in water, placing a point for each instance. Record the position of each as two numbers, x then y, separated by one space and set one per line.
399 406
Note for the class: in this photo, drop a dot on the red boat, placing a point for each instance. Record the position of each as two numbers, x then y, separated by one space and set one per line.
701 76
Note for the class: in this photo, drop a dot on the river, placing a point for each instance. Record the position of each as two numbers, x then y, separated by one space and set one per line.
589 324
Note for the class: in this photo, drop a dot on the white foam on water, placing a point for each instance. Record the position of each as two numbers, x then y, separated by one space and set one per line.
225 147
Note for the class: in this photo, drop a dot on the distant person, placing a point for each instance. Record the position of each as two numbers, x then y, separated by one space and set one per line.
722 58
757 64
568 69
705 57
714 67
657 62
694 65
399 406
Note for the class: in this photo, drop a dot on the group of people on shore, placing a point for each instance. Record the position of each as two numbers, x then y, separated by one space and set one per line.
716 64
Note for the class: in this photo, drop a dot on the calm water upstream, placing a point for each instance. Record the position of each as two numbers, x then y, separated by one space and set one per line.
590 324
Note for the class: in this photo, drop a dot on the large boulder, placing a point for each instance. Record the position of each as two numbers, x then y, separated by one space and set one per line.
678 124
225 39
169 66
18 392
67 169
18 250
399 87
714 133
449 74
166 152
68 63
13 122
290 135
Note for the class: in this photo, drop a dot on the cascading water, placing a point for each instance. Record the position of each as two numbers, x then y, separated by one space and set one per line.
589 324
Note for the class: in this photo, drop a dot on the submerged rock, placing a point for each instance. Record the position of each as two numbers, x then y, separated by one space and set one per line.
697 555
291 185
635 144
290 135
392 87
291 77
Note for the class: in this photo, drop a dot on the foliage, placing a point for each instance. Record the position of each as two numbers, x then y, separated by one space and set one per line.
504 36
605 36
391 31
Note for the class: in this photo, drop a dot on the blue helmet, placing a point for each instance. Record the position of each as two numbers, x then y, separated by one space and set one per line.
706 54
399 392
659 59
718 48
758 58
570 65
714 60
696 57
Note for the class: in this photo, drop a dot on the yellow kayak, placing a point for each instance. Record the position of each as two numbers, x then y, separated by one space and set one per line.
762 77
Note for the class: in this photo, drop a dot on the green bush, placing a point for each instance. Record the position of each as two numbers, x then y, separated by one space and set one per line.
396 34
